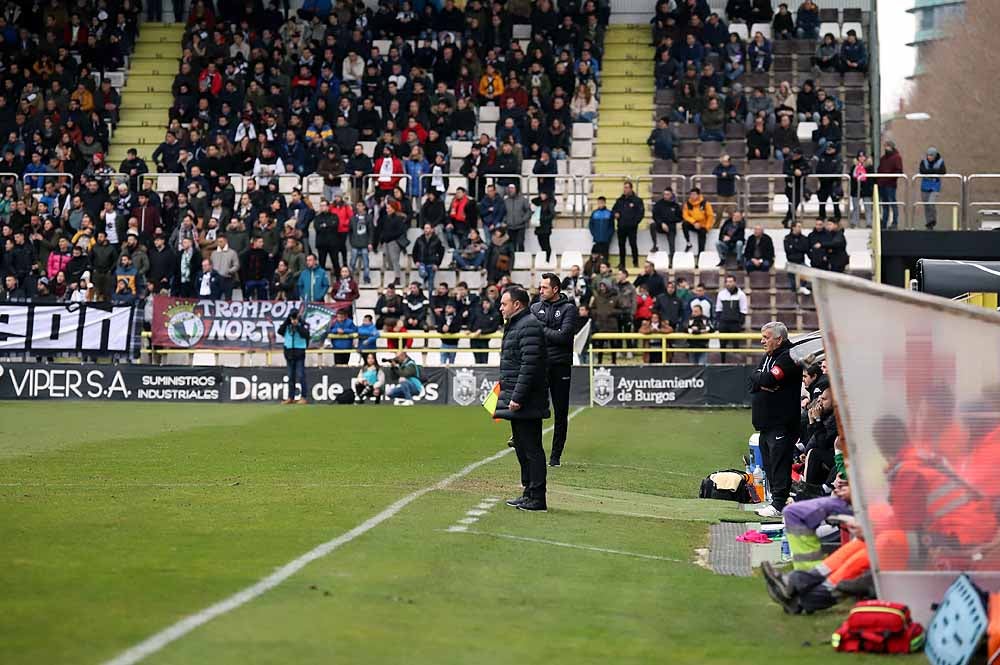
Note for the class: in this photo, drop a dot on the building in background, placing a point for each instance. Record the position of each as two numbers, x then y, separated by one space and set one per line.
931 17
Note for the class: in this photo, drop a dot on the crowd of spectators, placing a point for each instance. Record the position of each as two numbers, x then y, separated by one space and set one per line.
261 93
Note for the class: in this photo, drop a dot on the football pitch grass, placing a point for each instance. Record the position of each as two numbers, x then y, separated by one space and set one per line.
120 520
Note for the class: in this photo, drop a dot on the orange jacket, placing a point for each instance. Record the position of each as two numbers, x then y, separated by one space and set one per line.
699 213
491 86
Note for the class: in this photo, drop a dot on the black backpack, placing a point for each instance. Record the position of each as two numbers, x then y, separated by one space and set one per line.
744 492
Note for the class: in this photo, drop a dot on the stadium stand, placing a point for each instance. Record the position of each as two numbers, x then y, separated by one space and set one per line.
276 126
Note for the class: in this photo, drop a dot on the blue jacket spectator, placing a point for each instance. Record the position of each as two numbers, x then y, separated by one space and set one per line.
416 168
313 281
33 167
342 325
692 52
367 334
759 54
320 8
602 224
853 54
807 21
492 209
932 164
715 34
293 153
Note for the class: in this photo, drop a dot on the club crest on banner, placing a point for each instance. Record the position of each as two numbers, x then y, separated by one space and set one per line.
184 327
463 387
604 386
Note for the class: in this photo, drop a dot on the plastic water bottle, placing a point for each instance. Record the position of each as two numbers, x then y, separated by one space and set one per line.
758 481
786 552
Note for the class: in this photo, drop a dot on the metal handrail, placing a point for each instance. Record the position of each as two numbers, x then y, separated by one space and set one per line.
957 206
740 203
970 202
371 182
901 201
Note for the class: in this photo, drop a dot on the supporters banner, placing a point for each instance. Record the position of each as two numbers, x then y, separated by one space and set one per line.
85 327
670 385
184 323
916 380
28 381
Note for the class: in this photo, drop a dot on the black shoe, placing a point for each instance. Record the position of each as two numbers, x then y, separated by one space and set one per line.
514 503
687 248
655 249
554 461
534 505
510 442
720 263
777 585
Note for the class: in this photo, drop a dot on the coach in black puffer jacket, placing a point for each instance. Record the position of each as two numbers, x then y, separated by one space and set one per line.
524 394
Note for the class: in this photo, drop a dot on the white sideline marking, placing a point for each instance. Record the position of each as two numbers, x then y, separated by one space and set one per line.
156 642
457 528
476 513
468 520
486 505
588 548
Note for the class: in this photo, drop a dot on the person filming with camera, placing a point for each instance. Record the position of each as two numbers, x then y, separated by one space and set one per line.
295 331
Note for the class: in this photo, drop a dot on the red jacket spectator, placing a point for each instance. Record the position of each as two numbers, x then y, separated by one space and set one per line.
210 80
81 36
643 307
891 162
391 175
519 95
414 129
149 219
343 214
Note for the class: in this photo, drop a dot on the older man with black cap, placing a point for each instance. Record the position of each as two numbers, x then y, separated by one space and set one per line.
775 388
524 394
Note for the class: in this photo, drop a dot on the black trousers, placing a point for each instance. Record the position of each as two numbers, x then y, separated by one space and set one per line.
629 234
729 326
819 463
777 447
324 252
516 239
559 379
527 435
482 357
669 230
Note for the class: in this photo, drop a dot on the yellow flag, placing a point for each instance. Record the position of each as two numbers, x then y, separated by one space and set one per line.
490 403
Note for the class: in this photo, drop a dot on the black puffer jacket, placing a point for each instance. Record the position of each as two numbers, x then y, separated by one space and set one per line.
558 318
522 369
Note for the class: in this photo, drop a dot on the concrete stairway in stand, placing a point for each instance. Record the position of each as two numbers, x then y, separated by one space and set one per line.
147 97
627 104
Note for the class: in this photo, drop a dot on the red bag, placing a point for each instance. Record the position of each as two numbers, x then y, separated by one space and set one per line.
876 626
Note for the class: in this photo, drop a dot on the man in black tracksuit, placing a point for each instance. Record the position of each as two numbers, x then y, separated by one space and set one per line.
629 211
775 389
524 394
557 314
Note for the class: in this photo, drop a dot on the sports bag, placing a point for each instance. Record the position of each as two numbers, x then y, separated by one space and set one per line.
878 626
729 485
